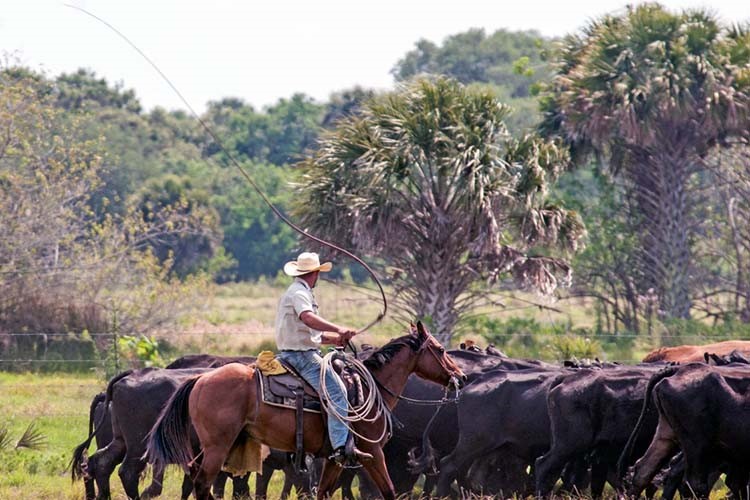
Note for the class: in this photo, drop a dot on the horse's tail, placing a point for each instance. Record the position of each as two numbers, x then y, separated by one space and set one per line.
622 463
169 439
78 460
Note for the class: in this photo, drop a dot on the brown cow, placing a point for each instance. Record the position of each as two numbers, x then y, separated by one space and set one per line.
694 353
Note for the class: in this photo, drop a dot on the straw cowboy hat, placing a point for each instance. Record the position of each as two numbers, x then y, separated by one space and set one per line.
307 262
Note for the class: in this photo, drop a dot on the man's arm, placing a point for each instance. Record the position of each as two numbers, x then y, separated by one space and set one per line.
331 333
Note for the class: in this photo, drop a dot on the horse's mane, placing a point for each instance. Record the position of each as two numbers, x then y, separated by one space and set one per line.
383 356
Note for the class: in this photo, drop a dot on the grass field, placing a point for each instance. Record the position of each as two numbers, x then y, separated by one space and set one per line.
239 320
240 316
59 406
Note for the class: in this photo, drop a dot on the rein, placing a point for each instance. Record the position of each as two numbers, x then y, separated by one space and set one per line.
426 345
426 402
244 173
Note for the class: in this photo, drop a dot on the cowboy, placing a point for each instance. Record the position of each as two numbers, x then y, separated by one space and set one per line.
300 331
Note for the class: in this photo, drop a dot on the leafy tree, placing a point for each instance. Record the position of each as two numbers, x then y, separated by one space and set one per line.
138 146
259 242
83 89
292 128
194 234
63 267
505 58
279 135
427 179
653 92
344 103
509 64
607 268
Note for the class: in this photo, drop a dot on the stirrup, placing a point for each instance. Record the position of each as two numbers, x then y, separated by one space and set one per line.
344 460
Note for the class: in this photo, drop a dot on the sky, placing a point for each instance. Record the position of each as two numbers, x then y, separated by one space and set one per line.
262 51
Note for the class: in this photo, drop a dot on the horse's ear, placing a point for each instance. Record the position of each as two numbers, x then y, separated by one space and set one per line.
421 330
412 328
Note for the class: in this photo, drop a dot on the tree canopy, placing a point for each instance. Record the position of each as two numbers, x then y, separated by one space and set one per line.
509 64
428 179
64 267
654 92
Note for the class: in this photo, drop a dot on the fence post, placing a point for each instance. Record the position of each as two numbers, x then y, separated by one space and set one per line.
115 328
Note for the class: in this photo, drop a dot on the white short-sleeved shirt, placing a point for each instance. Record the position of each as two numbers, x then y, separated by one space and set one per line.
291 332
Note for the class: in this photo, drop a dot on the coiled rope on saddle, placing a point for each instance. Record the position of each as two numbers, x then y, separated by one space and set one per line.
369 411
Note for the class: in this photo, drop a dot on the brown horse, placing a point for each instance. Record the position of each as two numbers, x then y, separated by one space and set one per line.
695 353
224 408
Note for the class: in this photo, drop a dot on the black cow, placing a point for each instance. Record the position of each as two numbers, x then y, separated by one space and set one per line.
733 357
99 415
592 414
280 460
99 467
672 479
207 361
411 423
506 412
705 412
436 437
136 398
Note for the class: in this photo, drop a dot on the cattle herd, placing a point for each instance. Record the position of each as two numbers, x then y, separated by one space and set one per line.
677 422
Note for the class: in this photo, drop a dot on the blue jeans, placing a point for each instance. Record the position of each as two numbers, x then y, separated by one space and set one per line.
307 363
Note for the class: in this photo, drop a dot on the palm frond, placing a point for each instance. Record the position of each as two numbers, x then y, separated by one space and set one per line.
4 437
428 179
32 438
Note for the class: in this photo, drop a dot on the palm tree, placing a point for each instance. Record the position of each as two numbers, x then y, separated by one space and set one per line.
653 92
428 180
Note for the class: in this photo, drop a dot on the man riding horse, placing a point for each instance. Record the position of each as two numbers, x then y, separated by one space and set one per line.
224 409
300 331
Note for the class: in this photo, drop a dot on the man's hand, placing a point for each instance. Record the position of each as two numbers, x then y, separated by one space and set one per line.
346 335
338 336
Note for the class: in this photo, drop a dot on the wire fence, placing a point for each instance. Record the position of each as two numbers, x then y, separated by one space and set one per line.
115 351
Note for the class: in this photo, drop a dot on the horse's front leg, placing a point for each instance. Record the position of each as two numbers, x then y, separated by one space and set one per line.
378 472
328 478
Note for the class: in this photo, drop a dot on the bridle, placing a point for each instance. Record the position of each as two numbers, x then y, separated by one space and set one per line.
429 346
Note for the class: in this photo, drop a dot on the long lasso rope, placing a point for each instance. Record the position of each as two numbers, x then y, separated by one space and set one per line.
369 411
244 173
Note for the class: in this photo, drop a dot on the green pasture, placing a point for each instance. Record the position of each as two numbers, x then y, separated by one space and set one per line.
59 405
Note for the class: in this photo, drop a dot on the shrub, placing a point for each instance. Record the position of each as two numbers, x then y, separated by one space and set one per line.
141 351
527 338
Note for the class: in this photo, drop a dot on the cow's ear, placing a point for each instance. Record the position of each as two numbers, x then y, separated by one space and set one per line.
422 332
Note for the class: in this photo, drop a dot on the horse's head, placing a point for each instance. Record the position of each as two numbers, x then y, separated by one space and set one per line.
433 362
